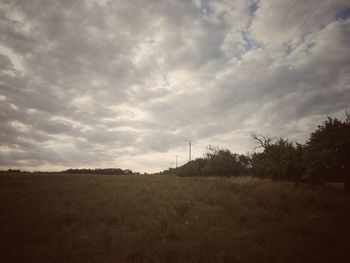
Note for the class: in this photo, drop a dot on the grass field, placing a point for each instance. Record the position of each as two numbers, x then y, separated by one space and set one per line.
62 218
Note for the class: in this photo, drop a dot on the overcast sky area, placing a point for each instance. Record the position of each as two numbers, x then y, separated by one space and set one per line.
100 84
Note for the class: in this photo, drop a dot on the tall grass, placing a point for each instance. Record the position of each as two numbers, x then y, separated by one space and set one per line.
170 219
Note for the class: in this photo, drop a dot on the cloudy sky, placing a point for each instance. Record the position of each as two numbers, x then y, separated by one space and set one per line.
125 83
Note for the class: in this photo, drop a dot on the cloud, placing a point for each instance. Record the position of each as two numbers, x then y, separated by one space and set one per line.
121 84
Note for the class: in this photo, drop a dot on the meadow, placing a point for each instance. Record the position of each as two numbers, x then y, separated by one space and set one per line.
86 218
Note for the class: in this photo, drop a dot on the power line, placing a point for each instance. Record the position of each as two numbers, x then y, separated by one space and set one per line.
268 11
281 25
301 26
261 23
307 19
278 27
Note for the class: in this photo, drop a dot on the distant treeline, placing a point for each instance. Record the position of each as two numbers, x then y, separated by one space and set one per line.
324 157
107 171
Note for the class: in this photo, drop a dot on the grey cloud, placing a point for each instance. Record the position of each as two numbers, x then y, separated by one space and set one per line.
106 83
5 63
54 127
102 136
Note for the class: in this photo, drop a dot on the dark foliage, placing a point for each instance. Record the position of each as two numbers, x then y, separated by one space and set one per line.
328 151
217 162
192 168
281 160
107 171
222 162
324 157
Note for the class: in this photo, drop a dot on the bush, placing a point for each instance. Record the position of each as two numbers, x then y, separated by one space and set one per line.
192 168
217 162
280 160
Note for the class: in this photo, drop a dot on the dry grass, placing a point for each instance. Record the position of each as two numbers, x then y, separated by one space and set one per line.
170 219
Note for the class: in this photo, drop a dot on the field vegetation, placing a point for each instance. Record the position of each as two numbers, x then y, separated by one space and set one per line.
97 218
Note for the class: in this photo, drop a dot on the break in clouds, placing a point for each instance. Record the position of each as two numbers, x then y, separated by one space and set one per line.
125 83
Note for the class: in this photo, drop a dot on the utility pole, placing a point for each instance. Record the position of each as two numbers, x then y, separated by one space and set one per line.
176 160
189 149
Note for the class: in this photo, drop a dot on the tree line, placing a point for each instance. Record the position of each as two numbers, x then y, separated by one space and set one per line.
98 171
324 157
101 171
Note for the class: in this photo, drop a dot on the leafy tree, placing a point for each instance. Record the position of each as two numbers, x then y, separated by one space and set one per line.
281 159
222 162
245 162
216 161
326 155
328 151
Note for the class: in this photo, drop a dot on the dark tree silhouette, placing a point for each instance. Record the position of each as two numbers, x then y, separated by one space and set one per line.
328 151
262 141
281 159
216 162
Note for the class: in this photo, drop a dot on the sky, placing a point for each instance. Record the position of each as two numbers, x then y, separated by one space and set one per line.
97 84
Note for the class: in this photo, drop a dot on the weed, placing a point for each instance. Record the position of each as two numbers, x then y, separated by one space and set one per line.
107 241
163 225
182 208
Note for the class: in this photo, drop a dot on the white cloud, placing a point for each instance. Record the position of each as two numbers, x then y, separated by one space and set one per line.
118 83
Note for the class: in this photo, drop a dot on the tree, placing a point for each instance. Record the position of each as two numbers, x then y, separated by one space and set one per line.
281 159
192 168
216 161
328 151
222 162
262 141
